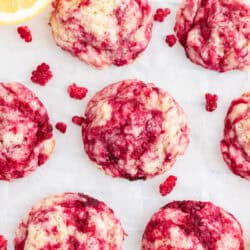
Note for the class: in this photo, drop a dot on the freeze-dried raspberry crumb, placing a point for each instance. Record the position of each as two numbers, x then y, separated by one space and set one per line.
161 14
170 40
78 120
3 243
77 92
25 33
168 185
62 127
42 74
211 102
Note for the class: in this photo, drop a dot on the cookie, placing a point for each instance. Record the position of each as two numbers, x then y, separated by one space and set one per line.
192 225
235 145
215 34
134 130
25 132
3 243
102 32
70 221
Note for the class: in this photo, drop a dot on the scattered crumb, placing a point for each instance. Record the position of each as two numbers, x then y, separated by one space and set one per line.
78 120
170 40
61 126
168 185
42 74
77 92
161 14
211 102
25 33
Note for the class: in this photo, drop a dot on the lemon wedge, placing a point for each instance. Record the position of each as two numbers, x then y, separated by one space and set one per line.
17 11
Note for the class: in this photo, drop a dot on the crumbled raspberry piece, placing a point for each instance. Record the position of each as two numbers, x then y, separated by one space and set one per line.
42 74
61 126
211 102
77 92
78 120
170 40
161 14
168 185
25 33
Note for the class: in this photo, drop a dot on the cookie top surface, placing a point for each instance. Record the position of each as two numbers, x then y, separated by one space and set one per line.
102 32
70 221
215 34
25 131
134 130
192 225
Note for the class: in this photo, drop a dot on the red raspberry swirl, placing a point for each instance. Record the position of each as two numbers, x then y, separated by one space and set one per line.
235 146
25 132
70 221
215 33
196 225
134 130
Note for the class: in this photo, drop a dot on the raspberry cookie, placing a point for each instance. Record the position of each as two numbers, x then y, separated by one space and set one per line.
70 221
25 132
186 225
215 33
3 243
102 32
235 146
134 130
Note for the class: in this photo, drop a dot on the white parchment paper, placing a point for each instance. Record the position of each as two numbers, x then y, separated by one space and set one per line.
201 172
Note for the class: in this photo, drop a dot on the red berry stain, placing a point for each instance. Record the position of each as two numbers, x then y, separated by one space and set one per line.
62 127
77 92
168 185
55 230
211 102
3 243
42 74
78 120
161 14
170 40
25 33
